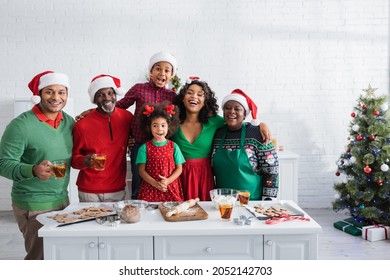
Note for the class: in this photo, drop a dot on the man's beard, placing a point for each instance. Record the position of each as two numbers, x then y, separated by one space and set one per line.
107 107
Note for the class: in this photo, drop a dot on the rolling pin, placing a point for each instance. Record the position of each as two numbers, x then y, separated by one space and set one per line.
182 207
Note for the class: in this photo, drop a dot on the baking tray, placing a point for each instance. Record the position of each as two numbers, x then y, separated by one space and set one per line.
292 211
46 220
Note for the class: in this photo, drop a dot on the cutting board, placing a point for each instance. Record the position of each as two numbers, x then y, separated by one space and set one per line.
192 214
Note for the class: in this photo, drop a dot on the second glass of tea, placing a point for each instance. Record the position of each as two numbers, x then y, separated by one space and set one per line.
243 197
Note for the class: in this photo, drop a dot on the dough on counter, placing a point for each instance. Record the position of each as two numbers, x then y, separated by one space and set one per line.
130 214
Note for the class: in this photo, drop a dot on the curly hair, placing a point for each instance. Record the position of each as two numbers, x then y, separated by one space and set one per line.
159 111
210 108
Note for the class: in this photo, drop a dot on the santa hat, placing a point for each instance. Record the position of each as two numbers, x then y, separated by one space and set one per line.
249 106
104 81
163 56
45 79
190 79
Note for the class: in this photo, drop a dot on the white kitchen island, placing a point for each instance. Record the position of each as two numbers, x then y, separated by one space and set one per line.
155 238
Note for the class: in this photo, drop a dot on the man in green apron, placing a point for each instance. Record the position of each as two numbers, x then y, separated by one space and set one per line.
240 160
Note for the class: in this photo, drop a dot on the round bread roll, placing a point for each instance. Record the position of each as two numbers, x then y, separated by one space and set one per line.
130 214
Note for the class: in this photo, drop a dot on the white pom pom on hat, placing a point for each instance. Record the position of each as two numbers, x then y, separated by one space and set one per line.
242 98
35 99
163 56
104 81
45 79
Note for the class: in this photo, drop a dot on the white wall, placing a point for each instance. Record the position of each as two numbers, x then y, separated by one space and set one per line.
304 62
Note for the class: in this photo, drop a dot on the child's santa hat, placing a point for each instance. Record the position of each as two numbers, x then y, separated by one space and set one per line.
163 56
45 79
104 81
249 106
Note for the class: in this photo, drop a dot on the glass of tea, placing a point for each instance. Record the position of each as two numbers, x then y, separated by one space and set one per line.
58 168
99 161
243 197
226 209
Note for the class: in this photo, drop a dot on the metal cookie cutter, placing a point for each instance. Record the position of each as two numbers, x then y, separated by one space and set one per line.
152 207
112 220
243 220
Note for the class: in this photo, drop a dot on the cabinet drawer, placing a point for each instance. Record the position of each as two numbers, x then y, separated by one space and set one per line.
291 247
208 247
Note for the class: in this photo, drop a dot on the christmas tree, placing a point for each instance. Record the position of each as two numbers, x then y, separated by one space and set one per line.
365 189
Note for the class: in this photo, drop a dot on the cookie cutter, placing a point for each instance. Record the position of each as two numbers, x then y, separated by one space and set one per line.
113 220
152 207
243 220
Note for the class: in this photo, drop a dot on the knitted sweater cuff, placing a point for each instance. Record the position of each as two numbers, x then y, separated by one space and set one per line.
26 170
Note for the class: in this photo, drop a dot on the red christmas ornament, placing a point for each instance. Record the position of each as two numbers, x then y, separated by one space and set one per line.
337 173
364 107
367 169
379 182
372 137
353 115
376 112
359 137
348 150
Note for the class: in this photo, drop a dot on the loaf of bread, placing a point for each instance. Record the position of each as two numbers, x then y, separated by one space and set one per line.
130 214
182 207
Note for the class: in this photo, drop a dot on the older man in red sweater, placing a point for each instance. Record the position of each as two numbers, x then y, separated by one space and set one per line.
105 130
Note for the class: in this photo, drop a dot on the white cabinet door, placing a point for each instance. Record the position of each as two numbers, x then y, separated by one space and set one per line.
233 247
126 248
98 248
290 247
71 248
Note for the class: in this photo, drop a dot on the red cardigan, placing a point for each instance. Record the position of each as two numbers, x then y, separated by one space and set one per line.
100 134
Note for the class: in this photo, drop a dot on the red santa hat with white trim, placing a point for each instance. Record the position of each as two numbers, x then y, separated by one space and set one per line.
104 81
45 79
242 98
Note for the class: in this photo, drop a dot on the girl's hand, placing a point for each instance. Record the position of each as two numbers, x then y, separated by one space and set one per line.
163 184
160 186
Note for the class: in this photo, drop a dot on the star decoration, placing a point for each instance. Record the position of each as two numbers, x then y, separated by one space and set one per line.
370 91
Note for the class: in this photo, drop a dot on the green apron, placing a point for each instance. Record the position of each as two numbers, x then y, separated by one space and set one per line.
233 170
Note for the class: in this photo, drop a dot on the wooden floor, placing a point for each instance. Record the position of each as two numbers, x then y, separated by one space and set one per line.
333 244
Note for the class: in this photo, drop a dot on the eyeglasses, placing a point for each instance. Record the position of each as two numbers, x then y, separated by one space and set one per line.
193 93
